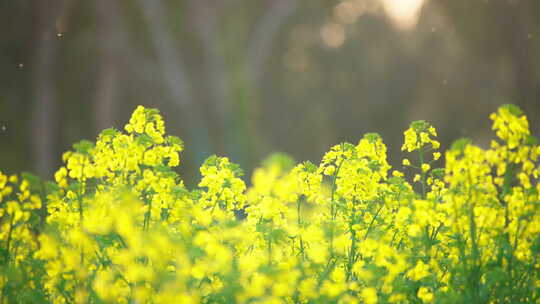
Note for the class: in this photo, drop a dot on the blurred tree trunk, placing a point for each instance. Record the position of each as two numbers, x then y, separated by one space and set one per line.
176 79
523 51
250 75
265 34
235 78
44 123
206 22
109 34
506 30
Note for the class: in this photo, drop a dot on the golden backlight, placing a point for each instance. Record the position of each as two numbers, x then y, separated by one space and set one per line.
403 13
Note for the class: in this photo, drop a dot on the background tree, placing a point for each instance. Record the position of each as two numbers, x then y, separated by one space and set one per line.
244 78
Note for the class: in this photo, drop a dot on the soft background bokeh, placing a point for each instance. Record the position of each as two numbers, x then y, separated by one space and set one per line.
244 78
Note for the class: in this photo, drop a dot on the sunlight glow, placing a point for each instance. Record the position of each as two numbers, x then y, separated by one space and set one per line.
403 13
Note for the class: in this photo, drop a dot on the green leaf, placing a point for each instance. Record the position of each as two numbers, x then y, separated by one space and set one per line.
51 187
372 137
33 180
513 109
309 167
152 111
83 146
235 168
437 173
144 139
211 161
460 144
277 235
531 140
174 140
419 125
109 132
374 165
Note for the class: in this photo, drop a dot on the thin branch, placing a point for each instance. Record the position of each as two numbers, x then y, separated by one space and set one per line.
168 56
44 116
116 57
265 34
176 78
205 22
110 35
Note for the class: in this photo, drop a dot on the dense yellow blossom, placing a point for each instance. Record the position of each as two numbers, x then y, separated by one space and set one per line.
19 224
118 225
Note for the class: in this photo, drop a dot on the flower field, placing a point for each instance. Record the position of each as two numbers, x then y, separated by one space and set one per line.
118 225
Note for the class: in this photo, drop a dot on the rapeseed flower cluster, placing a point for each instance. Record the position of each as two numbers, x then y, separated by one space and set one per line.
118 225
20 207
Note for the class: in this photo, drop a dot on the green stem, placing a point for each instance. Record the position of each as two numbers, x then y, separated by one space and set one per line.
299 223
269 250
423 176
333 211
334 186
373 221
8 256
352 251
8 245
